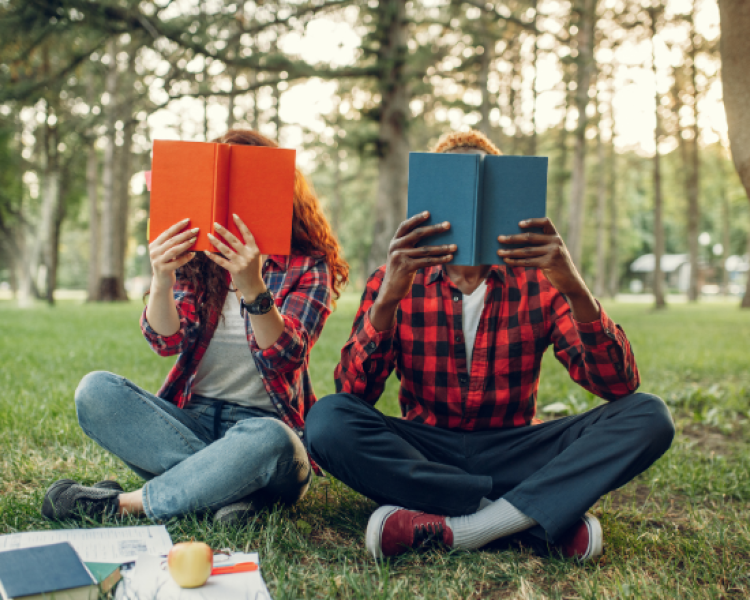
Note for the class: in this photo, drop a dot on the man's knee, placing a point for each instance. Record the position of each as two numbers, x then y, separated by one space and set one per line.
655 421
326 419
92 396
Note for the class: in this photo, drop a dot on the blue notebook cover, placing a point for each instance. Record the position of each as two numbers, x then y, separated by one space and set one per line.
482 197
515 189
447 185
44 569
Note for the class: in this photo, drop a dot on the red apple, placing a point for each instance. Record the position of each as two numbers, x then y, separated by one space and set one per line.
190 563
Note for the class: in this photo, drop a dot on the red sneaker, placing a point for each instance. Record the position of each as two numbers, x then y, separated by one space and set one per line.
392 530
583 541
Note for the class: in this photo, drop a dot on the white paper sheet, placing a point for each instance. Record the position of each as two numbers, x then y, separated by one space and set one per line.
148 580
110 544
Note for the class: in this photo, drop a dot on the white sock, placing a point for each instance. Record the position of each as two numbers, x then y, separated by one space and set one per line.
498 520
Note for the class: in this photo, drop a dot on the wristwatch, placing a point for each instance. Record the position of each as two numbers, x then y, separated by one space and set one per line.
262 304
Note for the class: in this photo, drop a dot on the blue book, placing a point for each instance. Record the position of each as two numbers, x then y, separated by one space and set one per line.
53 571
481 196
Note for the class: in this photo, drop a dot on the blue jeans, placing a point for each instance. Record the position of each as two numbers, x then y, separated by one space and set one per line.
255 456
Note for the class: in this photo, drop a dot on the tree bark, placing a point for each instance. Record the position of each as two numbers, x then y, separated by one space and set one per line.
392 144
613 267
50 201
92 189
693 169
600 281
725 226
658 283
110 281
735 75
585 64
561 174
534 92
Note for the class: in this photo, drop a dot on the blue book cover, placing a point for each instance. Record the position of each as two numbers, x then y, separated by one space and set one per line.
42 570
515 189
447 185
481 196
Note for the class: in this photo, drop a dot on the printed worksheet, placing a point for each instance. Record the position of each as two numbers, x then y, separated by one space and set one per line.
108 545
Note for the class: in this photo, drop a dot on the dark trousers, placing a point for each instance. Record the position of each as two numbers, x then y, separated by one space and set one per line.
551 472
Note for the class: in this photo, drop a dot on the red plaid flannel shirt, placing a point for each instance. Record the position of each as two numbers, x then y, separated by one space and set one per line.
301 286
523 314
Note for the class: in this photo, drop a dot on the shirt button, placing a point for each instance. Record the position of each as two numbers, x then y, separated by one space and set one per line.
362 377
456 298
458 338
371 346
463 379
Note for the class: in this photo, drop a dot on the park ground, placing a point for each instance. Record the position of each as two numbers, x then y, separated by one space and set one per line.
680 530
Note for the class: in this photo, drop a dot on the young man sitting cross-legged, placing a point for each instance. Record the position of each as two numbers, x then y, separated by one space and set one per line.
468 463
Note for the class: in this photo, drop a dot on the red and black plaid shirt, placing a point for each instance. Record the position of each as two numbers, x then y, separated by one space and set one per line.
301 286
523 314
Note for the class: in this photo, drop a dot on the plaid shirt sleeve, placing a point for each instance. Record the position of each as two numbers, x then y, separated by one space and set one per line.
304 311
597 355
169 345
369 356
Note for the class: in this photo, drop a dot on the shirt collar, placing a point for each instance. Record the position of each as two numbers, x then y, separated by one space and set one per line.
280 260
433 274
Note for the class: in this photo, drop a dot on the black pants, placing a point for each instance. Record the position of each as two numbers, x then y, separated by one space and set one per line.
551 472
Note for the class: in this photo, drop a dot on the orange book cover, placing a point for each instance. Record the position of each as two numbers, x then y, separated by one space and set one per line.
208 182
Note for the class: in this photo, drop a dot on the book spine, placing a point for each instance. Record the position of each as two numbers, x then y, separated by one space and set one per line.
220 199
478 205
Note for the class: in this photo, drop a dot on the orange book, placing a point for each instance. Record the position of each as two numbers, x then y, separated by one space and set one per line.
208 182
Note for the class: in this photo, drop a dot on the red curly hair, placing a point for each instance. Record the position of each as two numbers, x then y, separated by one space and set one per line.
311 235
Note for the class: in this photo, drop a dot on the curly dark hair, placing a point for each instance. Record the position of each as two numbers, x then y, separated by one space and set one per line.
311 235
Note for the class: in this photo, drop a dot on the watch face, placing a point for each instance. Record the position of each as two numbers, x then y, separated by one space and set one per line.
265 304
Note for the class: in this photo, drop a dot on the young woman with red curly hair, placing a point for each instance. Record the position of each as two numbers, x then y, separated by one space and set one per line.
224 432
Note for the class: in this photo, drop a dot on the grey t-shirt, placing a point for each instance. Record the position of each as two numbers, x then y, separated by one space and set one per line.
227 370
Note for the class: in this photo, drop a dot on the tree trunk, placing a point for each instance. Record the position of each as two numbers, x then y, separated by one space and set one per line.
613 266
110 281
560 173
125 171
392 145
735 76
658 225
534 92
54 247
585 64
50 201
693 175
725 226
92 189
600 282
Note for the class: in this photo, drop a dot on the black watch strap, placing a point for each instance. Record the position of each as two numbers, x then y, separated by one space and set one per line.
262 304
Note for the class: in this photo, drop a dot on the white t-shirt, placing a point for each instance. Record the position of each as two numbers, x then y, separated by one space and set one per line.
473 306
227 370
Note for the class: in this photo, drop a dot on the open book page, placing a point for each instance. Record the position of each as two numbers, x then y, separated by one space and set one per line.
106 545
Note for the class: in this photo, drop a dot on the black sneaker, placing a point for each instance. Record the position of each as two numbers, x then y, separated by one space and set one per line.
66 499
108 484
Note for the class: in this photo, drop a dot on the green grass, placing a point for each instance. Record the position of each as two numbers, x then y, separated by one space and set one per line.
680 530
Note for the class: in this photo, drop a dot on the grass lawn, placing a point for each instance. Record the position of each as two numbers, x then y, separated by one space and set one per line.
680 530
